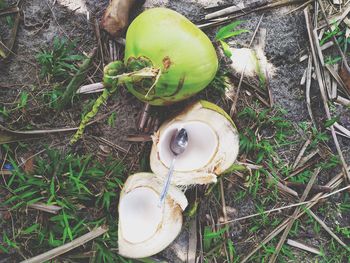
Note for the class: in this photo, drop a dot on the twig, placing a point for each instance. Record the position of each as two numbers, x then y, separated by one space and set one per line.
338 79
307 90
315 187
7 49
322 90
225 20
299 7
345 63
334 182
144 116
301 168
329 231
9 10
301 153
115 146
302 246
91 88
98 38
52 209
343 101
281 186
226 11
293 218
67 247
233 107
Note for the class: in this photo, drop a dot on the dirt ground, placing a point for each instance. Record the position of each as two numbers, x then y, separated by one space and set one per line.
42 20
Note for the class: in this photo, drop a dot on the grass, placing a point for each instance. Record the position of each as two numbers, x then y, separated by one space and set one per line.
85 189
57 63
265 134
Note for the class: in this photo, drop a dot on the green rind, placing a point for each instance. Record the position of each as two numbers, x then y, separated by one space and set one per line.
184 54
214 107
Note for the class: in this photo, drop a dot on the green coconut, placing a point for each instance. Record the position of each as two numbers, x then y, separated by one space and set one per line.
184 55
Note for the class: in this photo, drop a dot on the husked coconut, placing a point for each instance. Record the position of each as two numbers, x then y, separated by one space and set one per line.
213 144
145 226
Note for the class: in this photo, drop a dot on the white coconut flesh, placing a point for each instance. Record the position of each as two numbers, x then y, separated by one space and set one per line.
140 215
202 145
145 228
214 147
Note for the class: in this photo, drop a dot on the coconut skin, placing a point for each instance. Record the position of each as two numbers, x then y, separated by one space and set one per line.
224 157
167 230
184 54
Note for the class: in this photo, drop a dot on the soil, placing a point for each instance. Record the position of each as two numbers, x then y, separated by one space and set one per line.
41 21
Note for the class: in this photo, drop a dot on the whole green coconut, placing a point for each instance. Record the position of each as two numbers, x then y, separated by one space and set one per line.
184 55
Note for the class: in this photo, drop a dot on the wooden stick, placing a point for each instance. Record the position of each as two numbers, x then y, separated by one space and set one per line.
301 153
52 209
303 246
322 90
307 90
334 182
225 11
329 231
233 107
293 218
67 247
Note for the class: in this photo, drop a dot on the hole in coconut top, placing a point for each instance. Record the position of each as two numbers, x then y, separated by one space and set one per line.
139 214
202 145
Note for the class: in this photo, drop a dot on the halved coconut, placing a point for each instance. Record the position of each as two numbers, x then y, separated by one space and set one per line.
213 145
145 226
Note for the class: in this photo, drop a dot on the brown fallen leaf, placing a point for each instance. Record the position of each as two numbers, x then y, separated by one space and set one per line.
28 166
345 76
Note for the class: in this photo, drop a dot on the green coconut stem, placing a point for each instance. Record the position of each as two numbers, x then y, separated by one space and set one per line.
113 79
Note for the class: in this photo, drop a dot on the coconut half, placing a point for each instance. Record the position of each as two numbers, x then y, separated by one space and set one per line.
213 145
145 227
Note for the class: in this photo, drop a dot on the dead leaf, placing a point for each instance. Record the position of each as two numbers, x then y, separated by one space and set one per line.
28 166
345 76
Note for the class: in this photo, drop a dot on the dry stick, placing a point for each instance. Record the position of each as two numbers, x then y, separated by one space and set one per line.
322 89
292 219
343 101
233 107
303 246
328 229
300 169
337 18
226 11
334 182
338 79
315 187
308 157
115 146
307 90
281 186
312 201
225 20
301 153
299 7
67 247
345 63
98 37
342 129
7 50
9 10
52 209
